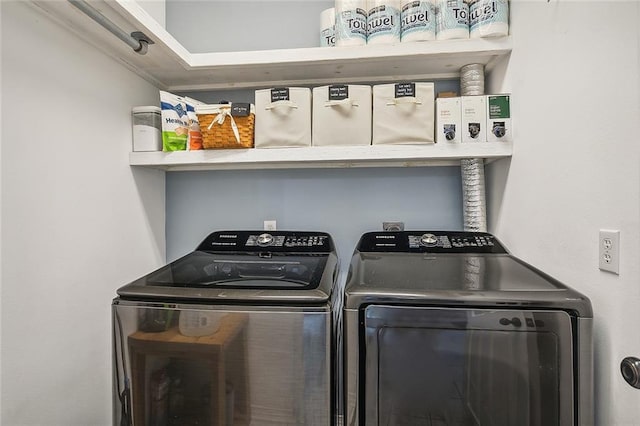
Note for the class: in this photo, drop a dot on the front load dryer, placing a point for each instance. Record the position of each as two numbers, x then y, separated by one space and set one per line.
448 328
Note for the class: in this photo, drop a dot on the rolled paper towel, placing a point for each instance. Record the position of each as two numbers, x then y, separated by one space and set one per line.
489 18
351 22
452 20
328 27
383 21
418 20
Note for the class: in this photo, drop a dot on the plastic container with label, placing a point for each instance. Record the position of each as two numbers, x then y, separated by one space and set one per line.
147 128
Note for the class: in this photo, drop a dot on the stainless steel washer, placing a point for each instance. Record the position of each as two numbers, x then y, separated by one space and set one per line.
239 332
448 328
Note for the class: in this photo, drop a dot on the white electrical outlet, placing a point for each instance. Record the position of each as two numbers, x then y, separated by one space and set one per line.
609 251
269 225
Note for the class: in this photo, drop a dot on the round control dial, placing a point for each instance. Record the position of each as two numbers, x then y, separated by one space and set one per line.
428 240
265 240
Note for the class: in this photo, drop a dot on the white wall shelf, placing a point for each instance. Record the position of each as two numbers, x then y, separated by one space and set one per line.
321 157
170 66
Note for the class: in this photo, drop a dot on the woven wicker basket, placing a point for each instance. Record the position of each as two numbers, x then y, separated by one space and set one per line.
221 136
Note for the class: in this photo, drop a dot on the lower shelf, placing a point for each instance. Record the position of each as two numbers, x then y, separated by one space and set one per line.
322 157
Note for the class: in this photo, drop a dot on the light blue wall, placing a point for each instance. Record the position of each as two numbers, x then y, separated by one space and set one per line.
343 202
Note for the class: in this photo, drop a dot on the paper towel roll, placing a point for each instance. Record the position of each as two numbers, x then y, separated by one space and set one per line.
452 20
351 22
418 20
328 27
383 21
489 18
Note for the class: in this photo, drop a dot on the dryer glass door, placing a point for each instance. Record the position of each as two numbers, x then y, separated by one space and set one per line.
447 366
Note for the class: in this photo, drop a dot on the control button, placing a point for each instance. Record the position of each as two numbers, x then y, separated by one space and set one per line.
429 240
445 242
265 240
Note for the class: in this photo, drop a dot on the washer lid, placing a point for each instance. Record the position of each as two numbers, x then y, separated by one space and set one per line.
443 274
246 266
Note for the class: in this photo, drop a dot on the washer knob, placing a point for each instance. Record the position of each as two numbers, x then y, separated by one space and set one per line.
429 240
265 240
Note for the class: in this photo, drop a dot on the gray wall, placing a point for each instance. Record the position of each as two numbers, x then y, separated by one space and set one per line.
570 175
77 221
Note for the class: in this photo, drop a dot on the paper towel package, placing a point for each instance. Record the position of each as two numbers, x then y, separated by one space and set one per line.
351 22
448 120
341 115
403 113
499 118
452 21
418 20
283 117
488 18
383 21
474 119
328 27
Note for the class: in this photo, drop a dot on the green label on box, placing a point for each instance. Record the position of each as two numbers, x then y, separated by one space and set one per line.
499 107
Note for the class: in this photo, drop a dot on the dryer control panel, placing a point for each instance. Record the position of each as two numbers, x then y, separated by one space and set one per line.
272 241
430 242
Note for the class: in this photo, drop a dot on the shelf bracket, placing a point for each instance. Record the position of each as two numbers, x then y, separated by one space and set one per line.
137 40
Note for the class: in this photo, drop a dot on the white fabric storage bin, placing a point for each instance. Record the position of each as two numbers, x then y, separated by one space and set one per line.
403 113
283 117
341 115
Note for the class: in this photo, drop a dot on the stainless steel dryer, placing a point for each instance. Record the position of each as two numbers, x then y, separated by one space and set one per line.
448 328
238 332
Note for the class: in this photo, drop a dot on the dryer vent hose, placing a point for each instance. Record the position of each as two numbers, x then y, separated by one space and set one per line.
473 188
473 185
473 195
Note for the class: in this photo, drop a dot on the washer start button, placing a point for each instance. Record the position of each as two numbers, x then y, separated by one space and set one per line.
265 240
428 240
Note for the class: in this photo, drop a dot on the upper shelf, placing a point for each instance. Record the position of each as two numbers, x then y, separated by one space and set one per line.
170 66
322 157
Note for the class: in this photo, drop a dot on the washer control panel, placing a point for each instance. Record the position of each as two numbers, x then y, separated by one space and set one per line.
430 242
275 241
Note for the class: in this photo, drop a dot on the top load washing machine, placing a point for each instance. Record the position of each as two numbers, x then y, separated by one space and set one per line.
239 332
448 328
